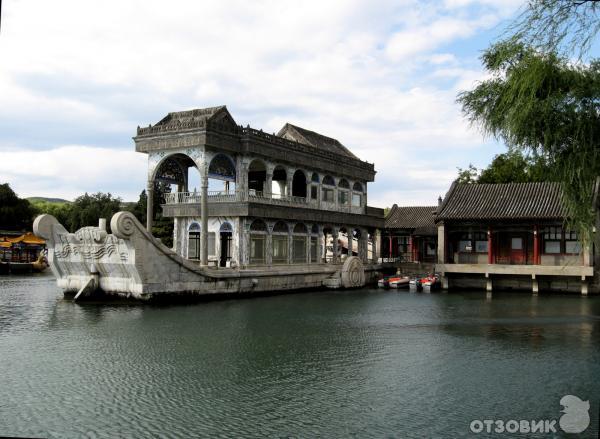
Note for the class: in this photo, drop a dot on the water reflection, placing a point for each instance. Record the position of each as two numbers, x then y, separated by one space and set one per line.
363 363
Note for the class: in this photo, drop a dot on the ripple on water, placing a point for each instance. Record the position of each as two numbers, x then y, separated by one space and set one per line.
361 363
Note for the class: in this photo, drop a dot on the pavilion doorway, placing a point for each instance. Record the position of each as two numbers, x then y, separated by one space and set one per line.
226 234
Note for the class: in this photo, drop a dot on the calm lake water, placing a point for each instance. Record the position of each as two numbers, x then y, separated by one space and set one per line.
363 363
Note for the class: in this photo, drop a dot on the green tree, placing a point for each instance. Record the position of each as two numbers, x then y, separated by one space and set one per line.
60 211
87 209
469 175
514 167
139 210
561 26
542 104
15 213
162 227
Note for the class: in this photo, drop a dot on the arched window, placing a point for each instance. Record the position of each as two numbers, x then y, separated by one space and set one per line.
280 243
222 168
314 187
258 226
280 227
314 239
299 240
279 187
357 187
327 190
258 235
226 227
299 184
300 228
225 240
194 241
343 192
257 176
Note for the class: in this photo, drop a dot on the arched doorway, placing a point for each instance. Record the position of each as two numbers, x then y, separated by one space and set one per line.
225 236
299 184
222 168
257 175
194 241
279 189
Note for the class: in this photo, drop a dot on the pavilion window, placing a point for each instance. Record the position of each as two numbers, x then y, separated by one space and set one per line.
572 243
465 244
481 242
314 192
327 192
211 244
327 195
299 249
280 249
431 248
258 234
403 245
313 249
356 200
299 243
194 241
280 243
257 249
343 198
552 240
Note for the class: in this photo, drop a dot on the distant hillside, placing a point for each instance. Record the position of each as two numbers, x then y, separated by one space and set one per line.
46 200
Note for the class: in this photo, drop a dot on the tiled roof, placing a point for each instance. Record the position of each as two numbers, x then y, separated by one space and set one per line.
301 135
196 115
420 218
502 201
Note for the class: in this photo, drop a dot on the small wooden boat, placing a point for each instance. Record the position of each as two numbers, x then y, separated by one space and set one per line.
431 282
4 267
384 282
399 282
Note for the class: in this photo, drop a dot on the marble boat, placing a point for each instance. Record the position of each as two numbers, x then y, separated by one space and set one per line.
281 220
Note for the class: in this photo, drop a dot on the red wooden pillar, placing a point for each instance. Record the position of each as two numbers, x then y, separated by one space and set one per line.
390 249
490 246
536 246
411 250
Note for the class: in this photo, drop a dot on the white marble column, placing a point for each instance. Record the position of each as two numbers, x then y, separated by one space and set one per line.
268 189
350 240
376 246
290 177
335 236
441 243
204 217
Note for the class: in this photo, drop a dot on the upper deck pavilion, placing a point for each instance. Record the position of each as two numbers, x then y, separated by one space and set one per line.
214 129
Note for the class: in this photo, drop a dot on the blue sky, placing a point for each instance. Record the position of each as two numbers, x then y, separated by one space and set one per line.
76 78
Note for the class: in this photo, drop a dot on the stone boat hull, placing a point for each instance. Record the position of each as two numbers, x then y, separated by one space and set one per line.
131 263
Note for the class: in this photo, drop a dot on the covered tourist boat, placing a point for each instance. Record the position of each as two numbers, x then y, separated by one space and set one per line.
22 254
285 211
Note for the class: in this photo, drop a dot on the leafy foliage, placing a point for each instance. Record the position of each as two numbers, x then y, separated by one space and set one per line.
162 227
15 213
510 167
561 26
539 103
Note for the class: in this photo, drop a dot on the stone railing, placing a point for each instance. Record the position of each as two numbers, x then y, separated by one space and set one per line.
256 197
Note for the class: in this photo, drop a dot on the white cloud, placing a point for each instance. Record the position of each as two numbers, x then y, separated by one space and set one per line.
77 72
69 171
